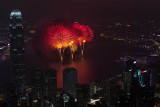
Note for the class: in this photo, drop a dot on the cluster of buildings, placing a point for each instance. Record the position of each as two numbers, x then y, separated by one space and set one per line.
140 34
137 86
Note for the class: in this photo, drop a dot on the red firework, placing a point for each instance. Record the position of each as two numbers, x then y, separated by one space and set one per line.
59 36
83 33
90 33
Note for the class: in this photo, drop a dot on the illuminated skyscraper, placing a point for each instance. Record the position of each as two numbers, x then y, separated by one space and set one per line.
17 52
70 81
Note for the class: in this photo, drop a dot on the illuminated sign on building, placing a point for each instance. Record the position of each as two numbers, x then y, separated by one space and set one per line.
140 75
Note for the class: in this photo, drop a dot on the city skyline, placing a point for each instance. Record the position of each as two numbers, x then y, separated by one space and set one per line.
80 53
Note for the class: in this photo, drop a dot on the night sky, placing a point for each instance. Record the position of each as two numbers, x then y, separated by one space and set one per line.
37 10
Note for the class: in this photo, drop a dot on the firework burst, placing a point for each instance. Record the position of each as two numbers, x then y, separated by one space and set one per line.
83 34
59 38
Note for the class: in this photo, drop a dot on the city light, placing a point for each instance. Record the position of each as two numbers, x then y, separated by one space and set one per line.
118 68
93 101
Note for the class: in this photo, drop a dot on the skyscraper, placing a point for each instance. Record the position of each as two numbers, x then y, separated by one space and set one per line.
44 87
50 86
83 94
17 52
127 80
70 81
37 94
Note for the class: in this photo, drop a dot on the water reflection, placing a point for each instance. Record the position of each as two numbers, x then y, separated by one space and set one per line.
83 66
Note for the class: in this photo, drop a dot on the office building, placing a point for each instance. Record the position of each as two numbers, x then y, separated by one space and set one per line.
17 53
83 94
70 81
44 87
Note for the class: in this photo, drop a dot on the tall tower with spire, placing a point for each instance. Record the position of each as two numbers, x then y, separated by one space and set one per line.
17 52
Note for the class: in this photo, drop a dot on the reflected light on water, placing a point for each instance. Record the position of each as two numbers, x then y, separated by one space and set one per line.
83 67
